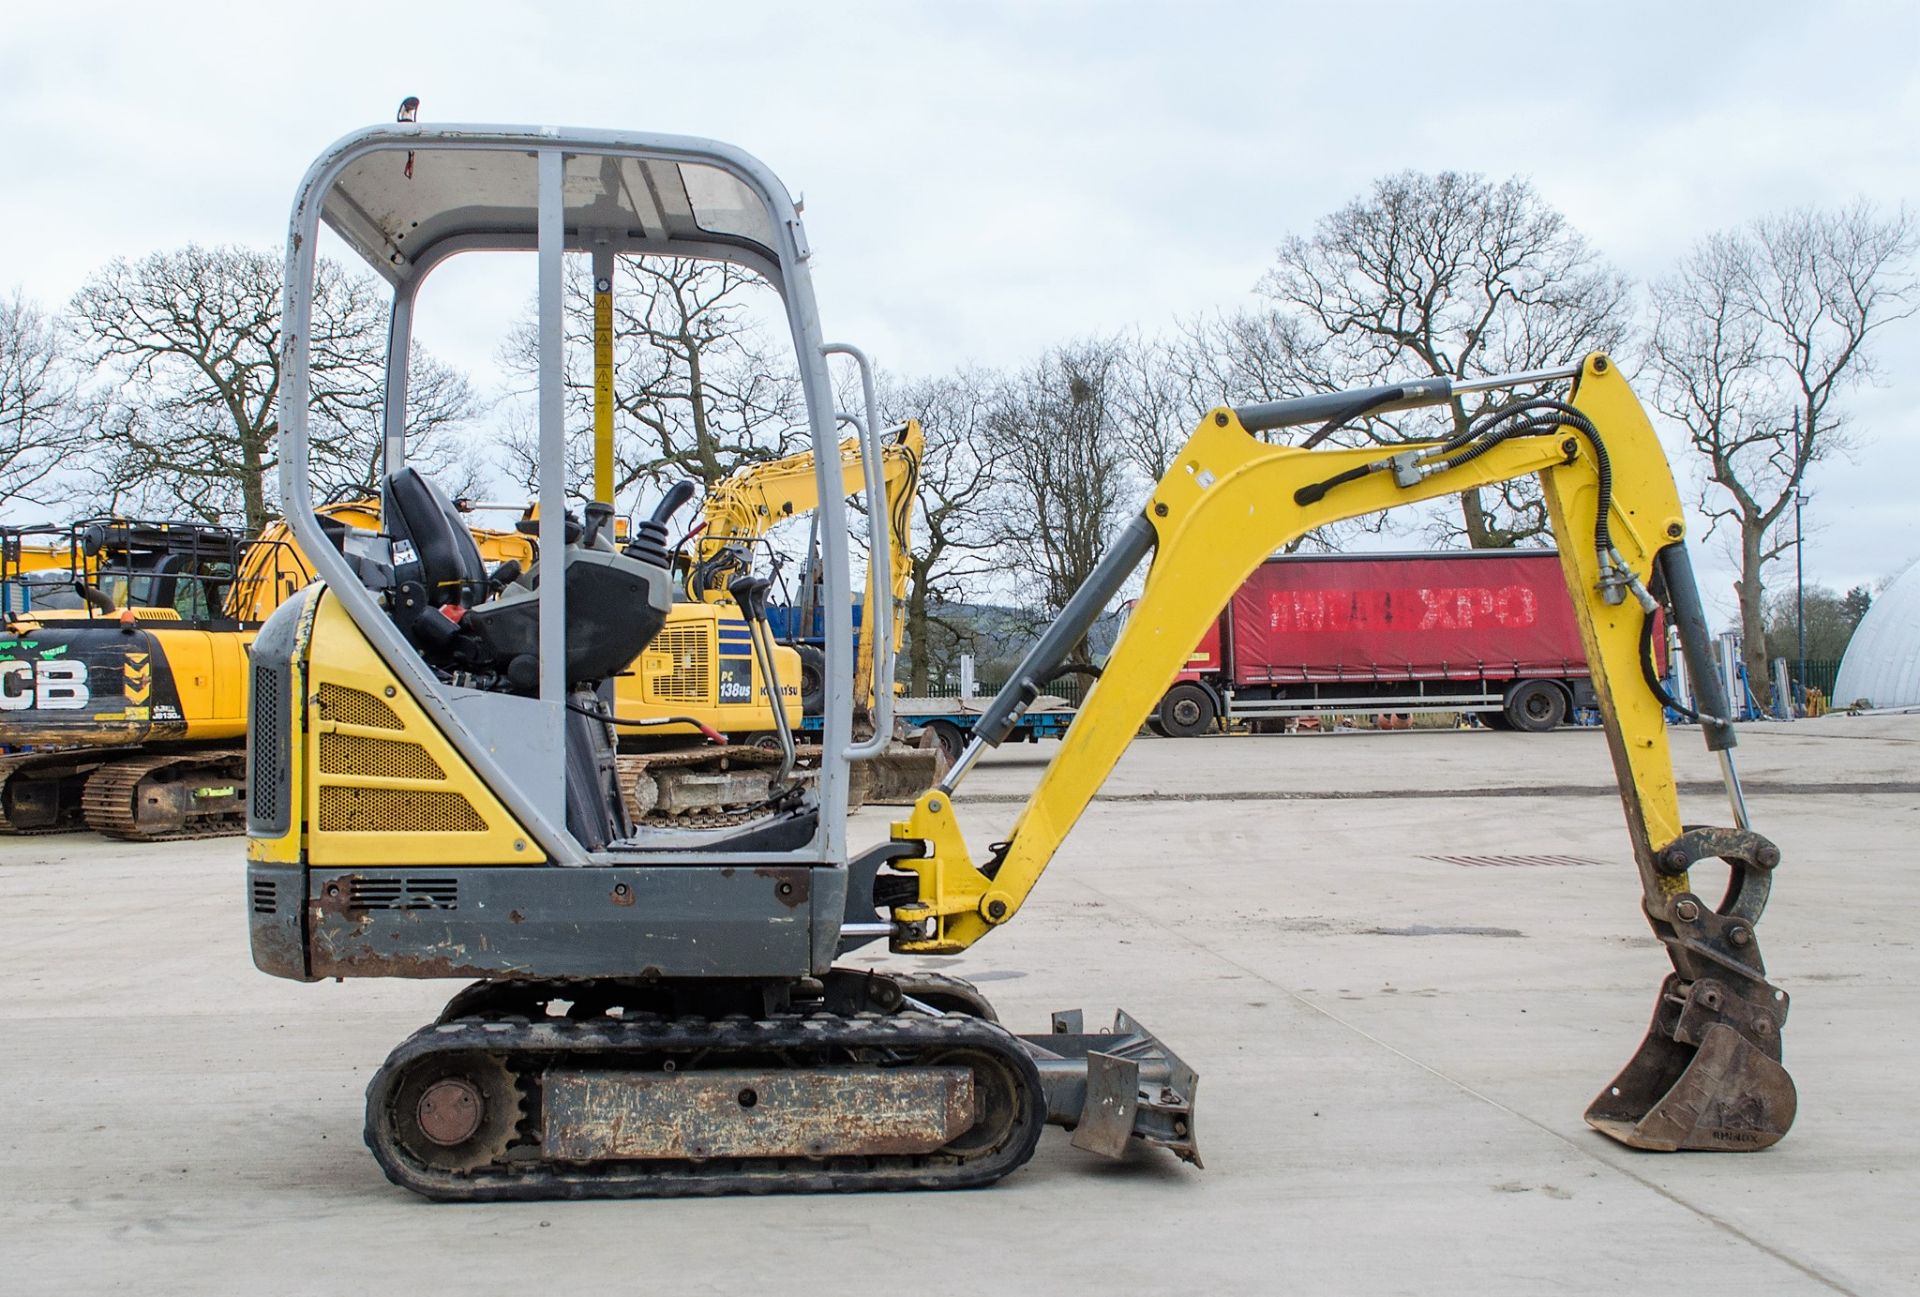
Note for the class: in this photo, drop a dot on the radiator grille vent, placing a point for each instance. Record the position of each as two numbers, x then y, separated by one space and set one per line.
356 707
268 781
266 896
396 810
692 663
403 894
354 754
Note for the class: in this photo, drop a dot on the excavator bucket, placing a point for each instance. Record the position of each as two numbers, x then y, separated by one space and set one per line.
1114 1086
1707 1077
899 775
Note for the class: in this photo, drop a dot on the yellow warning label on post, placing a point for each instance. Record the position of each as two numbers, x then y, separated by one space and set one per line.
603 390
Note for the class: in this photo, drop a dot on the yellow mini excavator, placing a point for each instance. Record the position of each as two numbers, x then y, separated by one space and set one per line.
658 1012
123 673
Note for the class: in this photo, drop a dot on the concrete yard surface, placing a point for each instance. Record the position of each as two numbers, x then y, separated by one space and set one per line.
1394 1049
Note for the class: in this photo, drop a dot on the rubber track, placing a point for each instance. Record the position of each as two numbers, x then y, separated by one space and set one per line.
696 761
528 1047
92 758
108 800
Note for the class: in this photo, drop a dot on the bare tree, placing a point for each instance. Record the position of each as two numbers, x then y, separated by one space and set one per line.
1447 275
1051 429
1227 358
40 412
191 343
1757 334
699 388
953 543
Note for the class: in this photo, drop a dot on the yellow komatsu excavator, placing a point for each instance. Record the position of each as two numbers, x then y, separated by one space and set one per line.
739 512
701 677
123 671
701 666
663 1012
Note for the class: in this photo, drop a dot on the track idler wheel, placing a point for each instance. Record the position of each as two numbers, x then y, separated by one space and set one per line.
449 1112
1707 1077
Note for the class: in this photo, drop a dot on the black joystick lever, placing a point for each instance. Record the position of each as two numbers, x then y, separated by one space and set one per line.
649 543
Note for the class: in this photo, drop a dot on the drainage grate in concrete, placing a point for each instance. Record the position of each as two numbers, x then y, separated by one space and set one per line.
1546 861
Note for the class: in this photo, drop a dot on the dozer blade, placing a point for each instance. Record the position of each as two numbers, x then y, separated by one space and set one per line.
1111 1087
1707 1077
900 774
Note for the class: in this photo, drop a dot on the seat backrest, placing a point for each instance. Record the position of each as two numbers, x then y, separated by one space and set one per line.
431 544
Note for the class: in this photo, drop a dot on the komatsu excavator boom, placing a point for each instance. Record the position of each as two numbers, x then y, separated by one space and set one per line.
657 1011
738 513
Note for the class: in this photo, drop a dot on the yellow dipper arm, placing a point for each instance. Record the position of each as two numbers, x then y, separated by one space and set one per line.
1708 1074
1226 504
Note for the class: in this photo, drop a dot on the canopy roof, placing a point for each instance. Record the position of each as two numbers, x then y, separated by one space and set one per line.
403 200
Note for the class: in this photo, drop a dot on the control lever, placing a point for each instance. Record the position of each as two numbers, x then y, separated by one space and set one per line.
750 593
649 543
598 514
503 576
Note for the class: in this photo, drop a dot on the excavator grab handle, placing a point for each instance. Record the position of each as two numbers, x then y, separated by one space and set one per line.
877 622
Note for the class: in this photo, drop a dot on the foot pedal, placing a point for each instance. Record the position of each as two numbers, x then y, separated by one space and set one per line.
1707 1077
1110 1087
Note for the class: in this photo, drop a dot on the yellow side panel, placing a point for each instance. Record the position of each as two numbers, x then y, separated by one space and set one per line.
380 784
209 673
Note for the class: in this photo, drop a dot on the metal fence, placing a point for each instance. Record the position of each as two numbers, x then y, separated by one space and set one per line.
1073 688
1815 675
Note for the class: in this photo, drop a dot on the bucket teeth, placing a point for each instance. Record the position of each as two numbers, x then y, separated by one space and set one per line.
1110 1087
1707 1077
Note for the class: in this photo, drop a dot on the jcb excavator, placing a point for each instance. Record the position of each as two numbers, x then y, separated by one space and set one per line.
124 678
662 1013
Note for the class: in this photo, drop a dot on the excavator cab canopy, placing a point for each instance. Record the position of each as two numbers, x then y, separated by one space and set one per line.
407 197
403 216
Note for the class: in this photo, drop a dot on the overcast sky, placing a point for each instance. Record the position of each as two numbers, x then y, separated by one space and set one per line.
985 179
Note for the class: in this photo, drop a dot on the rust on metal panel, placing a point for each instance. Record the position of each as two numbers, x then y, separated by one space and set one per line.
447 960
277 949
792 886
740 1112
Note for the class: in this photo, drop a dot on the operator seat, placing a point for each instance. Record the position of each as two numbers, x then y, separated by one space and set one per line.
445 604
431 544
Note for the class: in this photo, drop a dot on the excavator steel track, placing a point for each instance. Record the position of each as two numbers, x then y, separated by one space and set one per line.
123 799
701 788
58 809
442 1123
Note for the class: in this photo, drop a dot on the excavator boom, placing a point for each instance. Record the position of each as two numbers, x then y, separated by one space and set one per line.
1709 1074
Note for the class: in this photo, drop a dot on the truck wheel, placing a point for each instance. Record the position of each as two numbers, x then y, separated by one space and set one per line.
813 680
1535 706
950 737
1186 710
1495 720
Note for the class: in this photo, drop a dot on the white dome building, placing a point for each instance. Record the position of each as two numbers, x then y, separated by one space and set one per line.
1882 663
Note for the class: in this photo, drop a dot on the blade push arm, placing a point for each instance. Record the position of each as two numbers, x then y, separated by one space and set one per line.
1229 501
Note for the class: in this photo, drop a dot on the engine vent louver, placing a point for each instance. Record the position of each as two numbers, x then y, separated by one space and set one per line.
396 810
266 896
403 894
355 754
356 707
269 773
691 659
